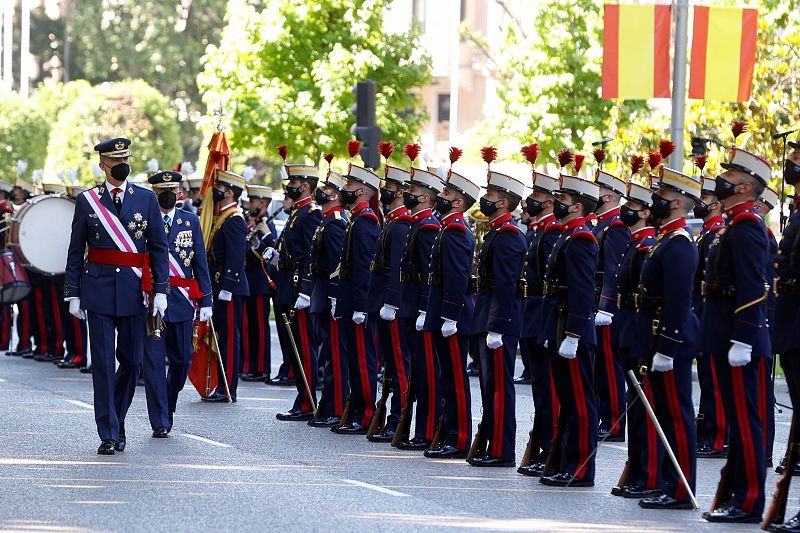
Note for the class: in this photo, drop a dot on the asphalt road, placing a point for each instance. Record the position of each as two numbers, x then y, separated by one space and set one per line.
235 467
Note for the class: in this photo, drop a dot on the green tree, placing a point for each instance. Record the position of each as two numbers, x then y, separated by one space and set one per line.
130 109
285 73
23 136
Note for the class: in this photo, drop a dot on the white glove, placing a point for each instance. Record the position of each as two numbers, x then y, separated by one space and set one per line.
388 312
359 317
449 327
494 340
740 354
225 296
302 302
661 363
420 321
262 228
271 255
206 313
160 304
75 309
603 319
569 347
333 306
546 344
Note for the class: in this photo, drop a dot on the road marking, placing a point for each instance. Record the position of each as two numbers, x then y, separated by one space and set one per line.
261 399
75 486
207 441
2 380
98 502
615 446
16 461
467 478
81 404
376 488
383 456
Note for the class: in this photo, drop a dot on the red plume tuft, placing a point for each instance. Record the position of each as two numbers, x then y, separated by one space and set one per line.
329 157
738 127
654 159
489 154
637 163
455 154
599 155
577 162
353 147
700 161
282 151
386 148
531 152
666 148
412 151
564 157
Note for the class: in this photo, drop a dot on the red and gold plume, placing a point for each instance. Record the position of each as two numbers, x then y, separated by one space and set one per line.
412 151
386 148
531 153
599 156
577 163
564 157
700 162
637 163
654 160
738 127
282 151
329 157
666 148
455 155
489 154
353 146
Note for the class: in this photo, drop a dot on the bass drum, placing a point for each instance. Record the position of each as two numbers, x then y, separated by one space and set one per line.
14 284
39 233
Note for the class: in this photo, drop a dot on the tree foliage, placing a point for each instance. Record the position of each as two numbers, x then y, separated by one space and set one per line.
23 135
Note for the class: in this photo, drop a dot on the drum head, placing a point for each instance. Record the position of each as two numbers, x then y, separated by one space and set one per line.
44 232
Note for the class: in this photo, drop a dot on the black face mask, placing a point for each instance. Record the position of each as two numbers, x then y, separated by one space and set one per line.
443 205
533 207
218 195
701 210
561 210
167 200
409 200
387 196
121 171
791 172
723 188
320 197
349 197
488 208
629 216
661 209
293 192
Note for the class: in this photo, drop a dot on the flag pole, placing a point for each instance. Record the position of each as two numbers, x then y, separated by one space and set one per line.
681 16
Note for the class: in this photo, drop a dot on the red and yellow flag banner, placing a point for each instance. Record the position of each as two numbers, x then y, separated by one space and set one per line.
723 53
636 51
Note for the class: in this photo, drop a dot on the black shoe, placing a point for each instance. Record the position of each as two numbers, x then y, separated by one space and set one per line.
295 416
50 358
490 461
446 452
327 422
522 380
709 452
792 526
637 492
86 370
353 428
279 381
472 370
253 376
106 448
532 470
618 491
605 436
664 502
216 397
169 427
121 441
781 467
28 354
160 433
387 435
565 480
733 515
417 443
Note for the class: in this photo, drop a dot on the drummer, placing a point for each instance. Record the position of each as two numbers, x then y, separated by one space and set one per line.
6 310
20 194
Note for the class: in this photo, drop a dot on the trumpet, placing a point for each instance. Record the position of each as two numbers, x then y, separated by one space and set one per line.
265 220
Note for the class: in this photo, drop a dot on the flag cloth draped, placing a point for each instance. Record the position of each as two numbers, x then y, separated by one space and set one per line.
636 51
723 53
219 157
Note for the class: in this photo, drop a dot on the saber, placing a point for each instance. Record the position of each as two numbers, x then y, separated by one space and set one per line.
219 361
662 436
311 397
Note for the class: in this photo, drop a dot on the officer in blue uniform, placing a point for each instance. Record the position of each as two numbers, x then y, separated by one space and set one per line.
568 332
667 331
612 238
260 280
326 253
384 295
226 256
712 428
75 335
547 229
498 317
450 311
645 451
106 288
414 270
735 325
350 298
529 223
291 254
190 287
787 302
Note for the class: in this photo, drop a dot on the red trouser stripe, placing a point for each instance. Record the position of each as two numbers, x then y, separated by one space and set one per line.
461 397
262 333
740 400
611 375
583 415
499 403
302 327
430 378
58 349
397 355
680 431
336 363
369 404
245 341
229 345
719 409
77 325
40 320
762 397
652 442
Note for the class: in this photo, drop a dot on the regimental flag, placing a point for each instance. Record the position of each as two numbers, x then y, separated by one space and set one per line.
636 51
723 53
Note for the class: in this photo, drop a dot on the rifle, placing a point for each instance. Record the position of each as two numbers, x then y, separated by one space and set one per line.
623 479
438 437
403 431
346 416
533 440
479 443
724 487
554 459
378 422
777 508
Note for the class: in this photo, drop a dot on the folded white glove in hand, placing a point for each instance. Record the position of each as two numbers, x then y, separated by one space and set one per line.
333 306
359 317
206 313
661 363
494 340
449 327
75 309
740 354
388 312
225 296
420 321
302 301
603 319
569 347
160 304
